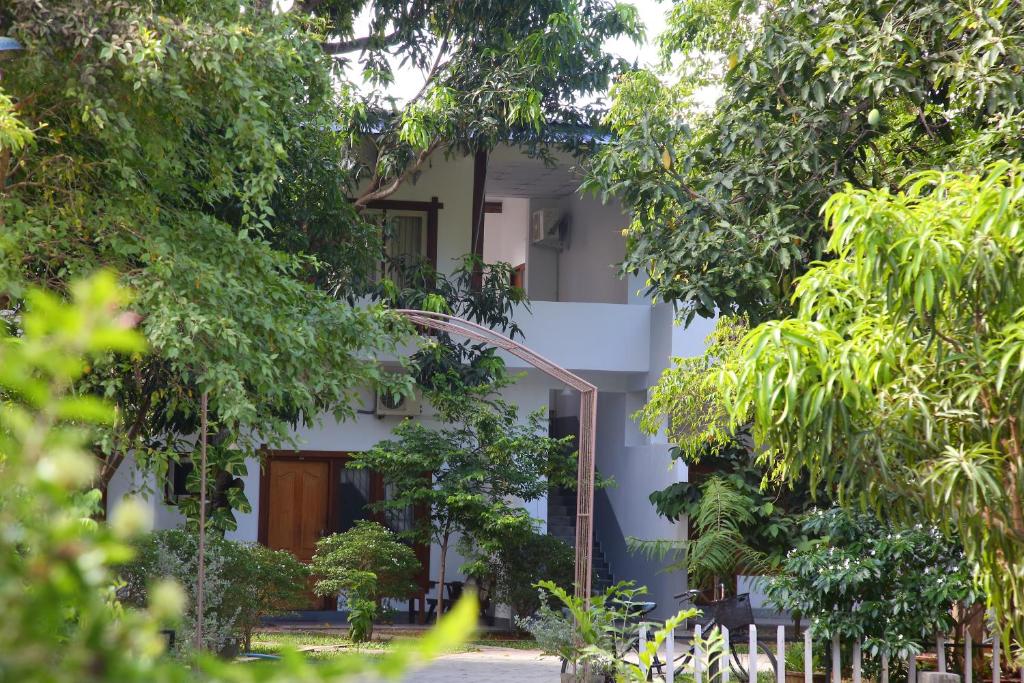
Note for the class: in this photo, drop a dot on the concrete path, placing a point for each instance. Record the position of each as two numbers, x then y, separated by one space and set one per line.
489 664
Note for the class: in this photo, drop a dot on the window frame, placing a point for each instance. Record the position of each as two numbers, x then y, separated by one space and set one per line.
430 208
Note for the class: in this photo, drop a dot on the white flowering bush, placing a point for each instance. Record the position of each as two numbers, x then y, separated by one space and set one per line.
860 578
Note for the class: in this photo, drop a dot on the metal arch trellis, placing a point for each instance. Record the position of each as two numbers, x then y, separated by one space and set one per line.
588 425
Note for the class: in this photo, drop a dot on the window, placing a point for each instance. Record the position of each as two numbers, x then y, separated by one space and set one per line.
355 491
404 234
409 233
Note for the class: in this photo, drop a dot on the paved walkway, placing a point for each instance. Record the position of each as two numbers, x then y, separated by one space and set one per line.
489 664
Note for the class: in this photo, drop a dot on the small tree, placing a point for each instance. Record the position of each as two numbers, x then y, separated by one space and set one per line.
468 473
860 578
368 563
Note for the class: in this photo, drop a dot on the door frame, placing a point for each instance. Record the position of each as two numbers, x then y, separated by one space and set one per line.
333 458
336 462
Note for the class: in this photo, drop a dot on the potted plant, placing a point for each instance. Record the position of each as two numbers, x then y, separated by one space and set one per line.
794 664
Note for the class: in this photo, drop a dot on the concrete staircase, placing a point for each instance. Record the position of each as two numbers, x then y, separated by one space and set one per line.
562 525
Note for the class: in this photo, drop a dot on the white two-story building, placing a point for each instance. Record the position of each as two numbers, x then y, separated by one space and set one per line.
582 316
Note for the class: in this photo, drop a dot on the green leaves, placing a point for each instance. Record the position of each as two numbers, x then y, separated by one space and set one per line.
57 565
161 144
898 382
469 471
860 578
814 96
367 561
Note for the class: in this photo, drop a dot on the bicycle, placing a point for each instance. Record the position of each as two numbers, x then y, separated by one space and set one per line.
734 614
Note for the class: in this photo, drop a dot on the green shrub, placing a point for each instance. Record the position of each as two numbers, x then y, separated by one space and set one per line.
276 582
367 564
518 562
858 577
244 582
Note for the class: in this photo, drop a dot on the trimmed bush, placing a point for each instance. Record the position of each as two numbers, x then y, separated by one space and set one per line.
365 564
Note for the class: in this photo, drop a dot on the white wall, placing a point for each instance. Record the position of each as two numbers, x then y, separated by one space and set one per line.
586 264
542 262
129 480
584 270
451 181
506 234
638 471
586 336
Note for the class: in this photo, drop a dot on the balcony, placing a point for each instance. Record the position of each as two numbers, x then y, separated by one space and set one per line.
588 337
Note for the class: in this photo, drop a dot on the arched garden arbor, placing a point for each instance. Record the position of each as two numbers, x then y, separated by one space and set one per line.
588 424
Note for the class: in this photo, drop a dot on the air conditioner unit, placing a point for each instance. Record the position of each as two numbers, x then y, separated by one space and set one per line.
547 228
402 406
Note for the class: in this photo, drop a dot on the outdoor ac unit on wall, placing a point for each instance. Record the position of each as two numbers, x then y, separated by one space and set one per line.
401 406
548 228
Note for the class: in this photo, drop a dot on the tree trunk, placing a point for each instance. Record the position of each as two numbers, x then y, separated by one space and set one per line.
440 576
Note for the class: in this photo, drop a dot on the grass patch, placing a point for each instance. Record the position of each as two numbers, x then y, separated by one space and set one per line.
272 642
325 646
513 643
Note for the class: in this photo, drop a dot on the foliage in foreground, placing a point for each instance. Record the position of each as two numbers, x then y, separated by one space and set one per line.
61 620
244 582
899 382
367 563
815 94
862 579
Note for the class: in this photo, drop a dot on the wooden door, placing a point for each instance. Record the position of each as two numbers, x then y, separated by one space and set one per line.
297 505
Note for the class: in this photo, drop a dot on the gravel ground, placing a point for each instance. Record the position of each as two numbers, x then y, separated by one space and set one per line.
490 664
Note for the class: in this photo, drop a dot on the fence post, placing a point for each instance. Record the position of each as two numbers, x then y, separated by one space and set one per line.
752 655
856 661
911 668
940 653
997 675
837 670
698 655
968 658
723 664
670 655
885 667
642 645
808 658
780 659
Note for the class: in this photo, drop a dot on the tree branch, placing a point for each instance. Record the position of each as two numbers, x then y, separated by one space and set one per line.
361 44
373 195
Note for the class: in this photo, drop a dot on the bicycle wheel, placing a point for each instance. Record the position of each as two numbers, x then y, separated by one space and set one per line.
738 662
680 663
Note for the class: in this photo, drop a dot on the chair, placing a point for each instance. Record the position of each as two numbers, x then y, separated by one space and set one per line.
453 591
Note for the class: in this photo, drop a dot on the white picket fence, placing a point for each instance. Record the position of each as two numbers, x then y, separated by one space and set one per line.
699 660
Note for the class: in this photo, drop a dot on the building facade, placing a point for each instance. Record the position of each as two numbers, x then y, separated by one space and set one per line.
581 316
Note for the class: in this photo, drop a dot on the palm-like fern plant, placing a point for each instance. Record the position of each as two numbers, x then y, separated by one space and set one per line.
717 546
